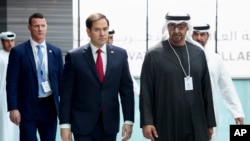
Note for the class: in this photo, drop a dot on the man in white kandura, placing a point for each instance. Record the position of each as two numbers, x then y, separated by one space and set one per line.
8 130
220 78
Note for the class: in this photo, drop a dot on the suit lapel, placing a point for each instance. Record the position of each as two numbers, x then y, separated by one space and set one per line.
87 54
29 51
110 59
50 56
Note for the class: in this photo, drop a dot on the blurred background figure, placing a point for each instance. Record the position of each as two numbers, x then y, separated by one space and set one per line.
220 78
8 130
110 41
110 37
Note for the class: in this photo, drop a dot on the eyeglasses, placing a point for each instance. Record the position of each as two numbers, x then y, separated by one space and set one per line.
178 26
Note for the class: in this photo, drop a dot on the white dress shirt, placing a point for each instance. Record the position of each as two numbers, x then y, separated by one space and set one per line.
45 59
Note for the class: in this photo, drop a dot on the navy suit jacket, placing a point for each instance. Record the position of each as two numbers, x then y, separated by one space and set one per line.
22 81
83 95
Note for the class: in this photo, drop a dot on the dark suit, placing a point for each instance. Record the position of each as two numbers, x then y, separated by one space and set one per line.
22 89
84 97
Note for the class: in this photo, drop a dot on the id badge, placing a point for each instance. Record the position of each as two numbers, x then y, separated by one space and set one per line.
46 86
188 83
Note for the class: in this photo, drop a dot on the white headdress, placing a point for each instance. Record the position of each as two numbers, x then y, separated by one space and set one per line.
202 27
7 35
179 18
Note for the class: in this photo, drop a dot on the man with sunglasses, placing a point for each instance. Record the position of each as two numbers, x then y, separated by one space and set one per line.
176 101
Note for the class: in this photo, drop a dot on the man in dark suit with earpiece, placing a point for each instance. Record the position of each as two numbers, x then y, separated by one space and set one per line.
33 76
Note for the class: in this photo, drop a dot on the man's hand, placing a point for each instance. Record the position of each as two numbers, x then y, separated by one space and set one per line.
15 117
210 133
66 134
126 132
150 132
239 121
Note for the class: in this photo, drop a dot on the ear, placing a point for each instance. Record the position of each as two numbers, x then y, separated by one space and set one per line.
29 27
88 31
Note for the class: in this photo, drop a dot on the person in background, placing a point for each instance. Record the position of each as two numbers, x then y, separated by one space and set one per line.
176 101
220 78
110 41
111 36
93 76
33 76
8 130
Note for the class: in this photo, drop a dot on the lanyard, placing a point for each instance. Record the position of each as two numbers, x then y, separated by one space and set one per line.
180 60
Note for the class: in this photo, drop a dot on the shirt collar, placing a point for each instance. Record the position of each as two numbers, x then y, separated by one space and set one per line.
94 48
34 43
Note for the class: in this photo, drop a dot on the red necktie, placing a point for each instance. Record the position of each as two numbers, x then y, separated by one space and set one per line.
99 65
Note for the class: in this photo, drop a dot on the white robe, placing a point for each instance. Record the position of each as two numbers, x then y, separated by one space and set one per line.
222 83
8 130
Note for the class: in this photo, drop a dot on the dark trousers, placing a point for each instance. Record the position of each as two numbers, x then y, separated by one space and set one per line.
45 122
97 135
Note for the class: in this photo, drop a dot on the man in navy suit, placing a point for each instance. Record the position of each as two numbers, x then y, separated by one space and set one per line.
33 75
89 104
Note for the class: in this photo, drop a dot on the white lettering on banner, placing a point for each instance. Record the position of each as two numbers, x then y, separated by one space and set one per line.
135 59
236 56
245 36
233 35
136 55
229 36
234 48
